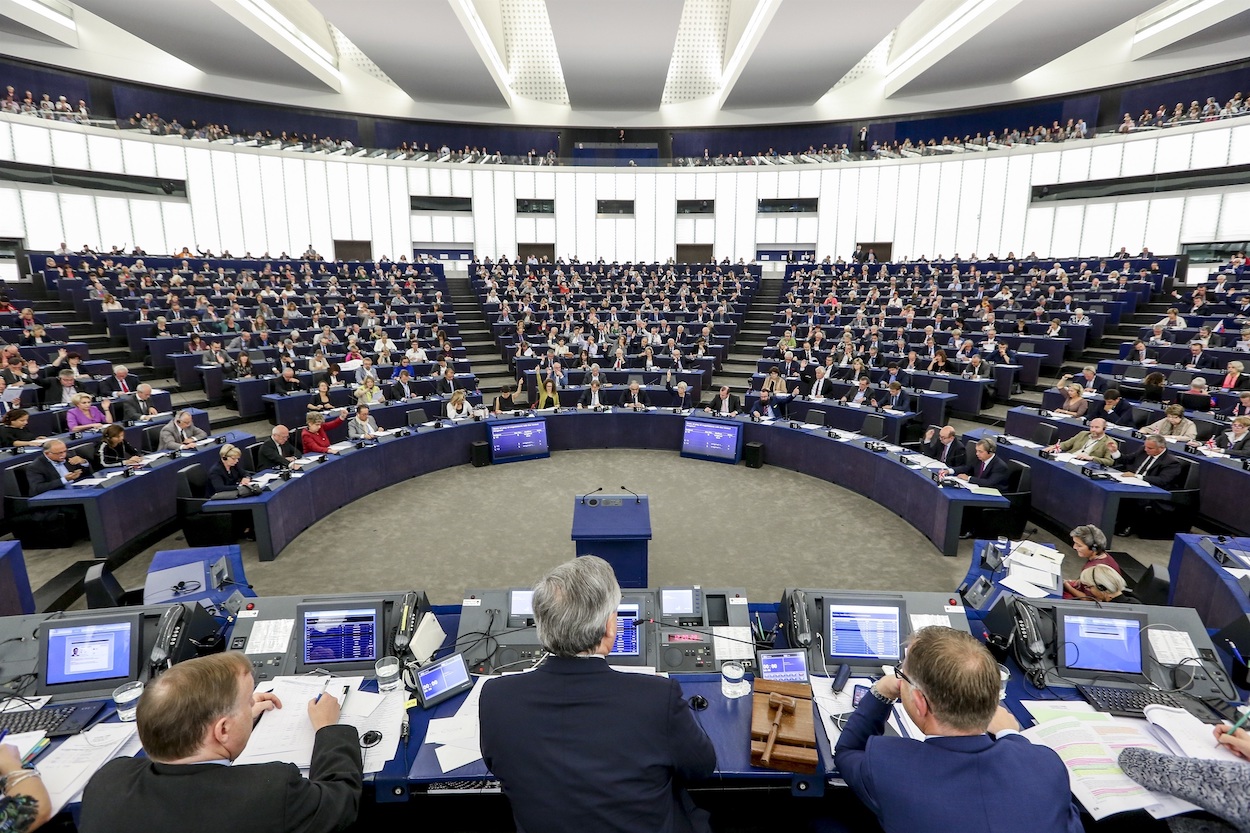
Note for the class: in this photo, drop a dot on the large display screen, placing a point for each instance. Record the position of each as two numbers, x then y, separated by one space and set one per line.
858 632
338 635
89 654
711 439
1105 644
512 440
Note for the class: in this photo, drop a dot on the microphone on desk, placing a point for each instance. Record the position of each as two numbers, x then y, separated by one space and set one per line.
638 622
637 497
582 500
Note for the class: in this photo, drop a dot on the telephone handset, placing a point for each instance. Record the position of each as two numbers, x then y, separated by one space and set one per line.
408 618
168 632
1028 642
798 628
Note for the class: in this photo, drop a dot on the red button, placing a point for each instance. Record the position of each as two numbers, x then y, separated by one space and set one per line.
251 606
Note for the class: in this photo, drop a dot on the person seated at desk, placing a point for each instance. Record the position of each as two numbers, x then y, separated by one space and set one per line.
317 362
506 400
1090 543
446 384
592 397
60 389
113 449
121 382
942 445
820 387
774 382
548 396
1100 583
277 452
635 397
242 368
287 382
724 403
682 399
1235 378
1088 379
1241 408
1236 440
892 397
1198 397
314 439
1222 788
366 371
334 376
85 416
54 468
1157 466
227 475
940 364
369 393
577 746
320 400
860 395
458 407
24 801
362 426
977 368
1200 359
180 432
948 684
1173 424
1091 444
1114 408
987 470
766 407
13 430
193 721
1153 386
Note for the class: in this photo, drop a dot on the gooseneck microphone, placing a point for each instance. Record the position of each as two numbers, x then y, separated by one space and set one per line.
637 497
588 494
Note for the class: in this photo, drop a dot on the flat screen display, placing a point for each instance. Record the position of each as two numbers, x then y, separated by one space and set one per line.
783 666
443 680
862 633
524 439
339 635
521 603
707 439
627 641
676 601
1108 644
89 653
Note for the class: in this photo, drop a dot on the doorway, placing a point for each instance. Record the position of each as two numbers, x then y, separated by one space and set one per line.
538 250
356 250
693 253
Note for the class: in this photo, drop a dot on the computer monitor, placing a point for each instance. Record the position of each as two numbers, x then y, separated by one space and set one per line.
628 635
1098 643
716 440
443 680
678 601
783 666
520 608
340 635
864 631
520 439
89 654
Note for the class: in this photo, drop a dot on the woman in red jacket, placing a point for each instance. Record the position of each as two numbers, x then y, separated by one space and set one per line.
314 439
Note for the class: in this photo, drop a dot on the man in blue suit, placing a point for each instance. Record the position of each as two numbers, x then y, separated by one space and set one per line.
972 771
579 747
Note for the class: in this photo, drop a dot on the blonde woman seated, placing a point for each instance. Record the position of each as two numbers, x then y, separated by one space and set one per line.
1173 424
1100 583
459 408
369 393
1075 404
85 416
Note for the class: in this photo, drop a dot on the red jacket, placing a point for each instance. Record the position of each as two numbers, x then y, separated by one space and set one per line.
318 442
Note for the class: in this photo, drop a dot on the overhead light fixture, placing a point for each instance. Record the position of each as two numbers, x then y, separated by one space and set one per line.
61 18
469 13
289 32
937 35
1173 15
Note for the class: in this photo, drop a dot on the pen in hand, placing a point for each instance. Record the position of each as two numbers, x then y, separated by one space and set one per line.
1241 721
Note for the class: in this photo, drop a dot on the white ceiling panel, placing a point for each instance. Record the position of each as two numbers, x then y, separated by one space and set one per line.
615 55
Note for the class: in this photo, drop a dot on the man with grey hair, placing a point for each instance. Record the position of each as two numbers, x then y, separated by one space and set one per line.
577 746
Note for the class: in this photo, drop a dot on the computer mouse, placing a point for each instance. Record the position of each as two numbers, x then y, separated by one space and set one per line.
698 702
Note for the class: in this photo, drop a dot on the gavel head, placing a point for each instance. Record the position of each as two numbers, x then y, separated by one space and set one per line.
783 704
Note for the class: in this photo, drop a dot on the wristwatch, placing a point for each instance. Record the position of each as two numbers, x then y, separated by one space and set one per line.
887 700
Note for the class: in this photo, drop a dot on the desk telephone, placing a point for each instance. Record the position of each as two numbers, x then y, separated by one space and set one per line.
183 630
796 623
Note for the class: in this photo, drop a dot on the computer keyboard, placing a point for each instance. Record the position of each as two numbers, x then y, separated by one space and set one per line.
1131 702
56 721
445 787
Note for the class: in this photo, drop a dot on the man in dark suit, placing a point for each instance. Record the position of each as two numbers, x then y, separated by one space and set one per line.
277 452
1088 378
1115 409
986 470
635 397
577 746
403 387
724 403
893 397
287 383
151 792
120 383
60 389
818 388
1200 359
766 407
54 468
592 397
944 447
139 404
948 685
447 384
1157 466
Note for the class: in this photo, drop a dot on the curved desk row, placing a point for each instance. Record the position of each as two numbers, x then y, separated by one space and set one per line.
251 393
292 506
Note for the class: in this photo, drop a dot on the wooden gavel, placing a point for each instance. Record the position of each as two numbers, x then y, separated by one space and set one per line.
783 705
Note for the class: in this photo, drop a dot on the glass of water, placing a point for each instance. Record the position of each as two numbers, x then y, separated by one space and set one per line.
387 670
126 698
733 683
1004 676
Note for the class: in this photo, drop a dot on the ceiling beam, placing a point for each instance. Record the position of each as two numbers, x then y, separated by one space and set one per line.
52 20
285 37
480 36
1179 20
956 29
754 30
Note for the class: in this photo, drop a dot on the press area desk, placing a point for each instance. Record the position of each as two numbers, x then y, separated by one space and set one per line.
293 505
1200 581
124 508
837 415
1222 482
1067 497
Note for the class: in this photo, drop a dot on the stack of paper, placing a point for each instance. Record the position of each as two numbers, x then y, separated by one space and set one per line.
68 768
457 737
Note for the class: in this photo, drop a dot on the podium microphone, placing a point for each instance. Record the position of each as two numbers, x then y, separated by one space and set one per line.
637 497
588 494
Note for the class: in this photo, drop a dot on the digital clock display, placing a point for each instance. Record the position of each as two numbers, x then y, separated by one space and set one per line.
685 637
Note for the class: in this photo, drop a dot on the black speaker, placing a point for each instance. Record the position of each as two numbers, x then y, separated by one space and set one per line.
753 455
479 454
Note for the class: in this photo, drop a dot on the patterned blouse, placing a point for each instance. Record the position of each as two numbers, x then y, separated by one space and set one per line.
17 813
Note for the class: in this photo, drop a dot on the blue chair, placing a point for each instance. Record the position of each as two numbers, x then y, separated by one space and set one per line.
15 595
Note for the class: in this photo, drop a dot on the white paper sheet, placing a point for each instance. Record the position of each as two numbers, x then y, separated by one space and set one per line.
270 636
1023 588
1172 647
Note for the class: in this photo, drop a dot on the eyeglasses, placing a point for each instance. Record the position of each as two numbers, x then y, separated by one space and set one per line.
898 672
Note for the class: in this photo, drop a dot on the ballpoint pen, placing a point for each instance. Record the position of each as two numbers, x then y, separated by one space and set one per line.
324 686
1233 647
3 734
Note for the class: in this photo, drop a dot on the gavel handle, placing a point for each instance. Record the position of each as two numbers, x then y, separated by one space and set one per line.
772 738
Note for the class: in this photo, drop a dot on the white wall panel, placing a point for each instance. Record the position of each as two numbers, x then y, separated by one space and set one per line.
742 244
149 227
605 239
1015 206
32 145
462 230
766 185
1234 217
1202 216
666 215
203 200
626 240
605 187
704 186
380 213
115 226
1105 161
171 161
766 231
523 184
685 182
179 229
397 213
566 215
546 230
887 203
1046 167
526 229
6 141
586 208
297 206
1163 225
787 231
787 183
545 185
461 182
1173 152
419 182
848 204
505 214
725 212
1066 237
1074 164
808 227
79 215
139 158
1130 225
1096 234
704 232
827 219
340 210
41 211
809 183
1239 145
422 229
11 224
990 219
318 191
358 203
969 217
273 188
443 228
648 214
226 196
866 208
947 208
625 186
1139 157
1211 148
105 153
440 182
1038 229
905 225
69 150
927 209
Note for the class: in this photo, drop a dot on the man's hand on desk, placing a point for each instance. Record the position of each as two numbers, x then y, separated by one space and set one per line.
323 713
1001 721
263 701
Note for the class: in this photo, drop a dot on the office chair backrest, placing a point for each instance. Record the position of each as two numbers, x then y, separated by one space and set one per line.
1028 347
101 588
1195 401
251 455
417 416
1021 480
815 416
1044 434
191 482
940 386
1136 371
152 437
1153 589
1141 416
874 427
